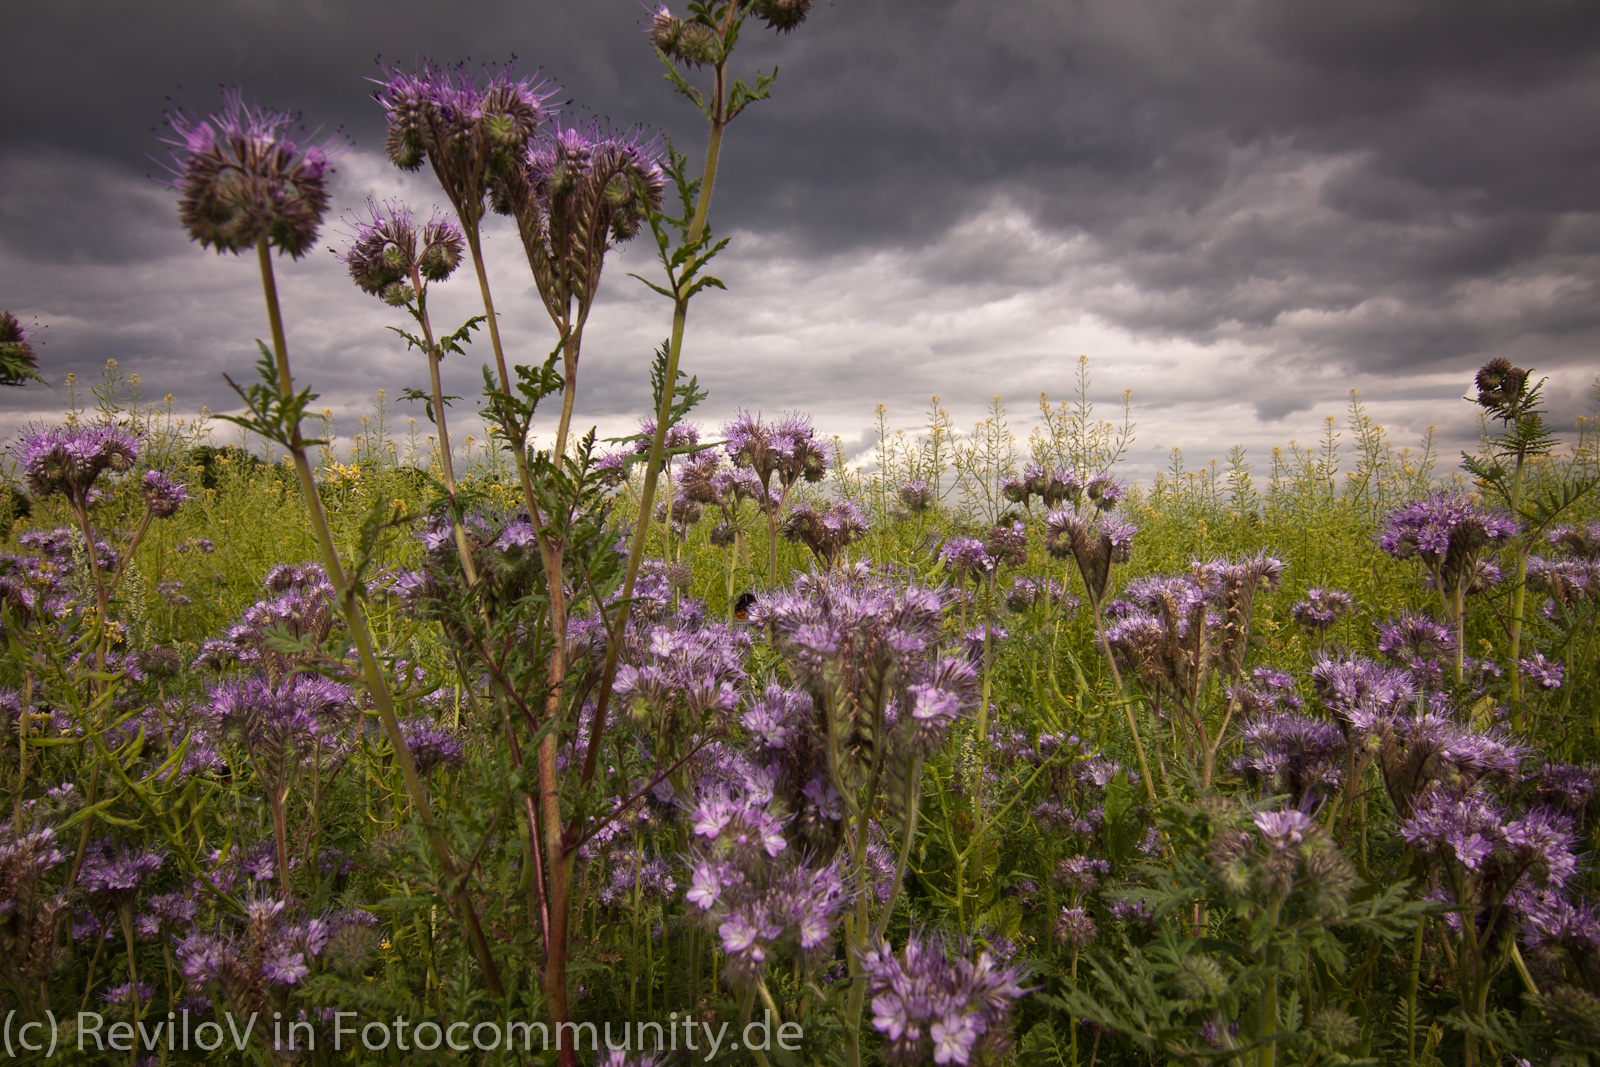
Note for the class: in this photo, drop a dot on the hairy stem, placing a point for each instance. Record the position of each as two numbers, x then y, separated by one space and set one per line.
355 620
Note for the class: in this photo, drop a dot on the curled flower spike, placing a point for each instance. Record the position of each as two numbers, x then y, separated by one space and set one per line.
916 496
469 129
67 460
1322 608
384 253
574 195
243 178
162 494
826 533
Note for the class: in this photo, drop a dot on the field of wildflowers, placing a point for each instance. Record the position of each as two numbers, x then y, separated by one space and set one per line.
703 745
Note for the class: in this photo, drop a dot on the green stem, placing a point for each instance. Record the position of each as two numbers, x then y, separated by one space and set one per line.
356 622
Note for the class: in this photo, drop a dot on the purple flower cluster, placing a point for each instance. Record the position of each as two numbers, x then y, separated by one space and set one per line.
433 746
1544 673
1007 545
384 253
1449 534
275 948
933 1009
242 178
694 670
848 633
966 557
1321 608
1093 546
826 533
916 496
69 459
574 193
469 128
1052 487
1292 754
787 449
1471 829
162 495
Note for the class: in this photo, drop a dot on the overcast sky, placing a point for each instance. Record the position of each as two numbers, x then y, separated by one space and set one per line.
1239 210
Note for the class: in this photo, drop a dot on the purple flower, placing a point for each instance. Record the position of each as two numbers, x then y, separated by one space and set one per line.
68 459
1008 545
1322 608
433 746
1080 874
574 193
966 557
1414 640
112 875
243 178
1283 828
384 252
1292 754
1449 534
929 1007
787 448
469 128
1544 673
1104 491
916 496
1565 785
827 533
1075 927
1362 694
162 494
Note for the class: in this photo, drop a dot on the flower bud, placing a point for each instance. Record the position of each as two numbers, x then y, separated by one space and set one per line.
1200 977
782 15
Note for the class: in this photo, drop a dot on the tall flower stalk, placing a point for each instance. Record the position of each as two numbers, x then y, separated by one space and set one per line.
574 194
387 260
244 184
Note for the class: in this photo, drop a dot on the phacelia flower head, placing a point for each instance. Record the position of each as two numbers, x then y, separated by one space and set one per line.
787 448
432 745
916 496
1105 491
930 1008
243 177
829 532
1448 533
1093 546
471 129
966 557
1499 383
1544 673
1411 638
575 193
67 460
1322 608
384 250
1008 544
163 495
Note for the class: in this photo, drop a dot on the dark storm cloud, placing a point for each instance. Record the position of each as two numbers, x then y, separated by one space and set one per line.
1244 208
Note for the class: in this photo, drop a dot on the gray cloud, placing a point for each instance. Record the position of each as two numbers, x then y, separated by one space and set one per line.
1239 210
